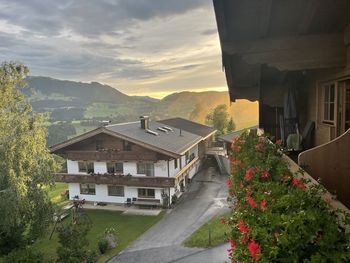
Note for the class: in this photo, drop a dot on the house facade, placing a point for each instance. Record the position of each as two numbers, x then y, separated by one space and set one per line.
293 57
143 160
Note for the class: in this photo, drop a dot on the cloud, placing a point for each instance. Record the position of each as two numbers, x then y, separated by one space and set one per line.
137 45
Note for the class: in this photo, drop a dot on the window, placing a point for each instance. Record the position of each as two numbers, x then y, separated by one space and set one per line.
146 193
329 103
127 145
187 157
175 163
87 189
115 190
115 167
145 168
99 145
86 167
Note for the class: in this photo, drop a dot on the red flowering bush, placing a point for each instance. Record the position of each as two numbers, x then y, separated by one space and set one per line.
277 216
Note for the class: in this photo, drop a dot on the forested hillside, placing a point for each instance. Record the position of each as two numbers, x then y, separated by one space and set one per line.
77 107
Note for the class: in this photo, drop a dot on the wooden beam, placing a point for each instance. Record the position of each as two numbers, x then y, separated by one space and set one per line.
308 16
292 53
265 17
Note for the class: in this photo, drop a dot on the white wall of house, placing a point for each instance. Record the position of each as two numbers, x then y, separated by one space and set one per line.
73 168
161 168
129 168
172 170
194 150
102 193
100 167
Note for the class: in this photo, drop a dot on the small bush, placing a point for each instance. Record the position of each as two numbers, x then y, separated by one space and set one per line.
103 245
23 256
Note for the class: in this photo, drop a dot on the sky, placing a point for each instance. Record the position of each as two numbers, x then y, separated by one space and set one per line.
140 47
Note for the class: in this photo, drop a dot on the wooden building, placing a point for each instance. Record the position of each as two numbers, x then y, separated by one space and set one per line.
293 56
138 162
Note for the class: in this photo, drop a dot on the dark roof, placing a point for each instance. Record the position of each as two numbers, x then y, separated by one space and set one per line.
170 143
230 136
189 126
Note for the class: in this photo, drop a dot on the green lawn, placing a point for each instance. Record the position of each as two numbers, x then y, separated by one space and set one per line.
55 194
200 238
128 227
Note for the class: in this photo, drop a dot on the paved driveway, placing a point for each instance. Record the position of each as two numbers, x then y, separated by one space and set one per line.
162 243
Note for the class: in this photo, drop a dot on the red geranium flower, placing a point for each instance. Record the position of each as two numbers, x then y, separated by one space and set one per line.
232 159
233 170
298 183
249 173
263 204
254 249
229 183
259 147
242 227
252 202
232 146
222 221
241 184
249 194
238 149
233 245
265 174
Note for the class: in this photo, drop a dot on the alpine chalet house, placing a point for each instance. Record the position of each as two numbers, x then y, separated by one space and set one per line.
140 162
293 56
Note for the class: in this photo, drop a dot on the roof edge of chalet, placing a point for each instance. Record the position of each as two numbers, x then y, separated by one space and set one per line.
89 134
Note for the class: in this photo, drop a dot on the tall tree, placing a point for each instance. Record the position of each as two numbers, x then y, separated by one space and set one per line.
231 126
26 165
219 118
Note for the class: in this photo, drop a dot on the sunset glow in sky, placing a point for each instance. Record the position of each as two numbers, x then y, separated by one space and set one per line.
140 47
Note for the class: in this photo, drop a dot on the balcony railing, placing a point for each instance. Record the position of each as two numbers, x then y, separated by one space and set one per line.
139 181
109 155
331 163
186 169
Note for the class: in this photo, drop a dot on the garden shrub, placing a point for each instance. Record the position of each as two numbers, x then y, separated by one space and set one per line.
103 245
278 216
25 255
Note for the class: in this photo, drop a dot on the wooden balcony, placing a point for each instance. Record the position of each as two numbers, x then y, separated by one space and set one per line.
109 155
331 163
139 181
185 170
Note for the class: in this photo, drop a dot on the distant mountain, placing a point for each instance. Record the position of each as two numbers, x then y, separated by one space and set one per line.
69 100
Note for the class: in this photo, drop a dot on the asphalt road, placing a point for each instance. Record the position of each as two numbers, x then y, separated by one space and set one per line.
205 198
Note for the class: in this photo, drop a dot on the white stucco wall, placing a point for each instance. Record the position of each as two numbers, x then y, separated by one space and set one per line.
73 168
194 150
100 167
130 168
161 168
172 169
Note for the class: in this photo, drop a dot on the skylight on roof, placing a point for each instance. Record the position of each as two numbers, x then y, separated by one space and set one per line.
168 128
152 132
162 129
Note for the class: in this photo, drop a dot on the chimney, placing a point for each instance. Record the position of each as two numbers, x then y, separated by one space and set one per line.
144 120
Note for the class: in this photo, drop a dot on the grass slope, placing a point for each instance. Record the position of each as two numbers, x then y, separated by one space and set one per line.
200 238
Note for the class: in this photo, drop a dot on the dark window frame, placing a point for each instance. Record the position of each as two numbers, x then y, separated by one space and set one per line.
329 103
89 190
86 167
146 168
146 193
113 167
121 188
127 146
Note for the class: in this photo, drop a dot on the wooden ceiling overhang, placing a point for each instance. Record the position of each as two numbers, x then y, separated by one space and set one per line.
288 35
